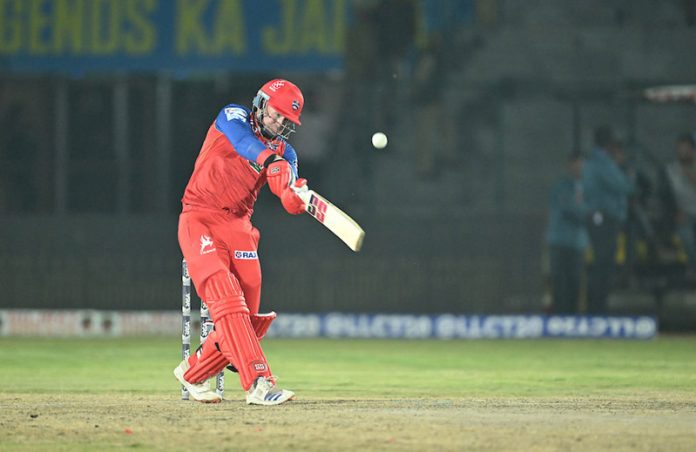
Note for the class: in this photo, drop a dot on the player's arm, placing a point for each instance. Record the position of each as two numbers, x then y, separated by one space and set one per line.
291 156
281 171
283 180
233 122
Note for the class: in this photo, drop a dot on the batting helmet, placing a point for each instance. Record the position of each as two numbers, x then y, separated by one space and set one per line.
284 96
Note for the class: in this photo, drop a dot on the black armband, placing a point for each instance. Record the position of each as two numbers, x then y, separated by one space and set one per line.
269 160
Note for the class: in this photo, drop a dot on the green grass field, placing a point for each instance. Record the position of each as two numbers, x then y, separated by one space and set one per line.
86 394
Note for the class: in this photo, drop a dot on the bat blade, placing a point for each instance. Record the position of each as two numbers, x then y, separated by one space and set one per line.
333 218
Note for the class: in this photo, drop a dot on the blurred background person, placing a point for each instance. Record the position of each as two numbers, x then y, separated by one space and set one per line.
681 177
433 145
607 188
567 237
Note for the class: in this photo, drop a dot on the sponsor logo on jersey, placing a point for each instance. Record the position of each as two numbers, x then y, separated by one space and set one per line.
245 254
206 244
235 113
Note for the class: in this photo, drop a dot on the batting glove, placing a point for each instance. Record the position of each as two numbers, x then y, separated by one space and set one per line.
292 203
279 174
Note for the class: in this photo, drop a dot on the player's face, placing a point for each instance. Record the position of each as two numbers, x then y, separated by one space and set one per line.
685 153
274 121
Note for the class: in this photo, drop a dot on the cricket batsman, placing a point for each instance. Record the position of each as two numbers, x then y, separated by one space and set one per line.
242 151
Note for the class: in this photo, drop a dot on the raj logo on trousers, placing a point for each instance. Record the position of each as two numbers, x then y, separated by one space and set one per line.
245 255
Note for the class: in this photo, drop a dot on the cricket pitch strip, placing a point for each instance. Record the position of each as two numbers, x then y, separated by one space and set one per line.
99 421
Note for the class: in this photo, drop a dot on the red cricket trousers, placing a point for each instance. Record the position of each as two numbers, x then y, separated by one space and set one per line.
221 252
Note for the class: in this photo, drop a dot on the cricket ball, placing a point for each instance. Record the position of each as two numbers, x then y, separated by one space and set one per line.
379 140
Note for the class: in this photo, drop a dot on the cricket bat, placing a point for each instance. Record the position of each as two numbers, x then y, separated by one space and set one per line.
337 221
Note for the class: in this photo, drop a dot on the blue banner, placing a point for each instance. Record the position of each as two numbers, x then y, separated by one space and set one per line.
393 326
81 36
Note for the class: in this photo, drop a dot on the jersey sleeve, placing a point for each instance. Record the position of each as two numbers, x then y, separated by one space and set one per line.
291 156
233 122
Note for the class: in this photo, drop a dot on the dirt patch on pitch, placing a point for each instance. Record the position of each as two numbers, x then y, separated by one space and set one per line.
50 422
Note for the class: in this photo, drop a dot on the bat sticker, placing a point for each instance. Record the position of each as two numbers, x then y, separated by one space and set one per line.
317 208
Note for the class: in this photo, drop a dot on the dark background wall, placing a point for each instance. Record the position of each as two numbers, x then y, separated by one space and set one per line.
474 263
95 150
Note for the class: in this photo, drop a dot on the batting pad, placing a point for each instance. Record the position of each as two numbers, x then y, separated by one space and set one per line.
261 323
239 344
209 361
206 362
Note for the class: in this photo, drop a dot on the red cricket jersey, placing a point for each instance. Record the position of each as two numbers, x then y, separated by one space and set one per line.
227 174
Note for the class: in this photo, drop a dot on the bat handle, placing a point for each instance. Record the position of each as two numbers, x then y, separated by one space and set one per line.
304 193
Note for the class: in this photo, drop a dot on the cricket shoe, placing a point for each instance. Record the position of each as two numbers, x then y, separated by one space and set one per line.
265 392
200 392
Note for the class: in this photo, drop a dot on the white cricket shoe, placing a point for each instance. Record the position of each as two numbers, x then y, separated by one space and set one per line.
200 392
265 392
